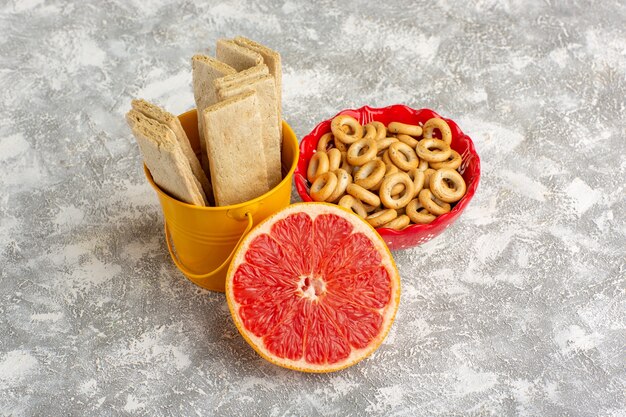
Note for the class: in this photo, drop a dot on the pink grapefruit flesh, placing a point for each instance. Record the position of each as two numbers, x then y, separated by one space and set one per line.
313 288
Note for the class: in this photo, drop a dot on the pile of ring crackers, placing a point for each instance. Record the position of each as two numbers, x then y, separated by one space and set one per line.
238 99
392 176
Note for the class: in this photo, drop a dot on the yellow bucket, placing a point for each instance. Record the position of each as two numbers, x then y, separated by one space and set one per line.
205 238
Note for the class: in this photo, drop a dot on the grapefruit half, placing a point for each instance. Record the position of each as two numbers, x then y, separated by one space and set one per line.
313 288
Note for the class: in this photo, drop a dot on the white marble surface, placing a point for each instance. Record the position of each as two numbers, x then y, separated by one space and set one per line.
518 309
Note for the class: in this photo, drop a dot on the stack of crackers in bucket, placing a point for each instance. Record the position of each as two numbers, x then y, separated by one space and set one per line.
238 99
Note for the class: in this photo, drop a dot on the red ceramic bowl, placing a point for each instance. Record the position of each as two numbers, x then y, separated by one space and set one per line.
415 234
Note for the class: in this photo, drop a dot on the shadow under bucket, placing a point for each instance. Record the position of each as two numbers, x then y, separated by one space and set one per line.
205 238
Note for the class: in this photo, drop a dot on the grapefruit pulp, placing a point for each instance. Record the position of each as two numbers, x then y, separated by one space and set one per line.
313 288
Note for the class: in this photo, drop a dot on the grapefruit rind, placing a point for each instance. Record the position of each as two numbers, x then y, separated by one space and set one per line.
388 313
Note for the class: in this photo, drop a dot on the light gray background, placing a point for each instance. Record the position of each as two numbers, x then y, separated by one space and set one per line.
518 309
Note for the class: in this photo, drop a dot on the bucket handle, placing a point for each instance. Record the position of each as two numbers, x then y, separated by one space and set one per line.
201 277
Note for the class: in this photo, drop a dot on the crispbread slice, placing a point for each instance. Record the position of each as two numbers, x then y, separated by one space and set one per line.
236 56
266 100
244 76
205 69
272 60
162 155
155 112
235 149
